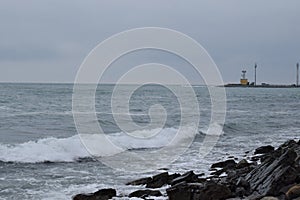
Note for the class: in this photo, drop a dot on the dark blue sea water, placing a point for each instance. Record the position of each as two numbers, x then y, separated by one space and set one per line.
42 156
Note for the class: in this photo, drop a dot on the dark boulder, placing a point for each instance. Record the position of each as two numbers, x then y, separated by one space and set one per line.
289 144
214 191
264 149
142 181
243 163
158 180
184 190
187 177
241 188
240 192
243 183
196 191
217 173
103 194
224 164
145 193
174 176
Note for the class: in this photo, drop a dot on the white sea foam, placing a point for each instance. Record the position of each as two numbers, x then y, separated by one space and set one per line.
47 149
71 149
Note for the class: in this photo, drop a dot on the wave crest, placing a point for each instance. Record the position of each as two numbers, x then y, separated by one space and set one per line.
71 149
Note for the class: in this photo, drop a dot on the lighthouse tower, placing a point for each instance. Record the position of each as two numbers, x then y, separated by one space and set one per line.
244 80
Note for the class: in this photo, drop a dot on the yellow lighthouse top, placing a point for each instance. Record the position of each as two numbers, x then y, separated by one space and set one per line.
244 80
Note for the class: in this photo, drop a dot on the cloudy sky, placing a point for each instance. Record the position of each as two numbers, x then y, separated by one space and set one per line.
46 41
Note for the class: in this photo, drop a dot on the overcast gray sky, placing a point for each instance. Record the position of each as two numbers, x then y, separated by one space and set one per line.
46 41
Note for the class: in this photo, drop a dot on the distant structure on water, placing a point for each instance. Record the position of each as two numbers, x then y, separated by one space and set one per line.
245 83
244 80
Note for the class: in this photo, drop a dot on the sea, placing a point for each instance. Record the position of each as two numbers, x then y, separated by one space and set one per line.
42 155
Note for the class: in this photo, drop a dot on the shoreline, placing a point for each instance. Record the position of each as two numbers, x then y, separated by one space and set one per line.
260 86
269 174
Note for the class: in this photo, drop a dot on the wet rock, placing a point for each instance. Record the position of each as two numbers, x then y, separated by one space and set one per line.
165 169
240 192
183 191
145 193
224 164
275 173
236 198
218 172
196 191
243 183
238 185
255 158
269 198
289 143
243 163
188 177
158 180
298 178
174 176
255 196
214 191
293 192
277 177
237 176
142 181
103 194
264 149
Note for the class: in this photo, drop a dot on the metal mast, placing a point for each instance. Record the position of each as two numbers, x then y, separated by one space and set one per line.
255 66
297 79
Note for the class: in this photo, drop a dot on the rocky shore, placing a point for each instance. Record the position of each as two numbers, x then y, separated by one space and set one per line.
269 174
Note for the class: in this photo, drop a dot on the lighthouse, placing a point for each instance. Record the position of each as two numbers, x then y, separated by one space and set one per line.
244 80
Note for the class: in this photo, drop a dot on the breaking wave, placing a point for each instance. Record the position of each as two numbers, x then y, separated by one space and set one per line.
71 149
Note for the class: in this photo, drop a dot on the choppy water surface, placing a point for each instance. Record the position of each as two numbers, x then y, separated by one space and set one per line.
42 157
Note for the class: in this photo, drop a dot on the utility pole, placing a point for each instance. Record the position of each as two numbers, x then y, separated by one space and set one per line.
255 66
297 79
